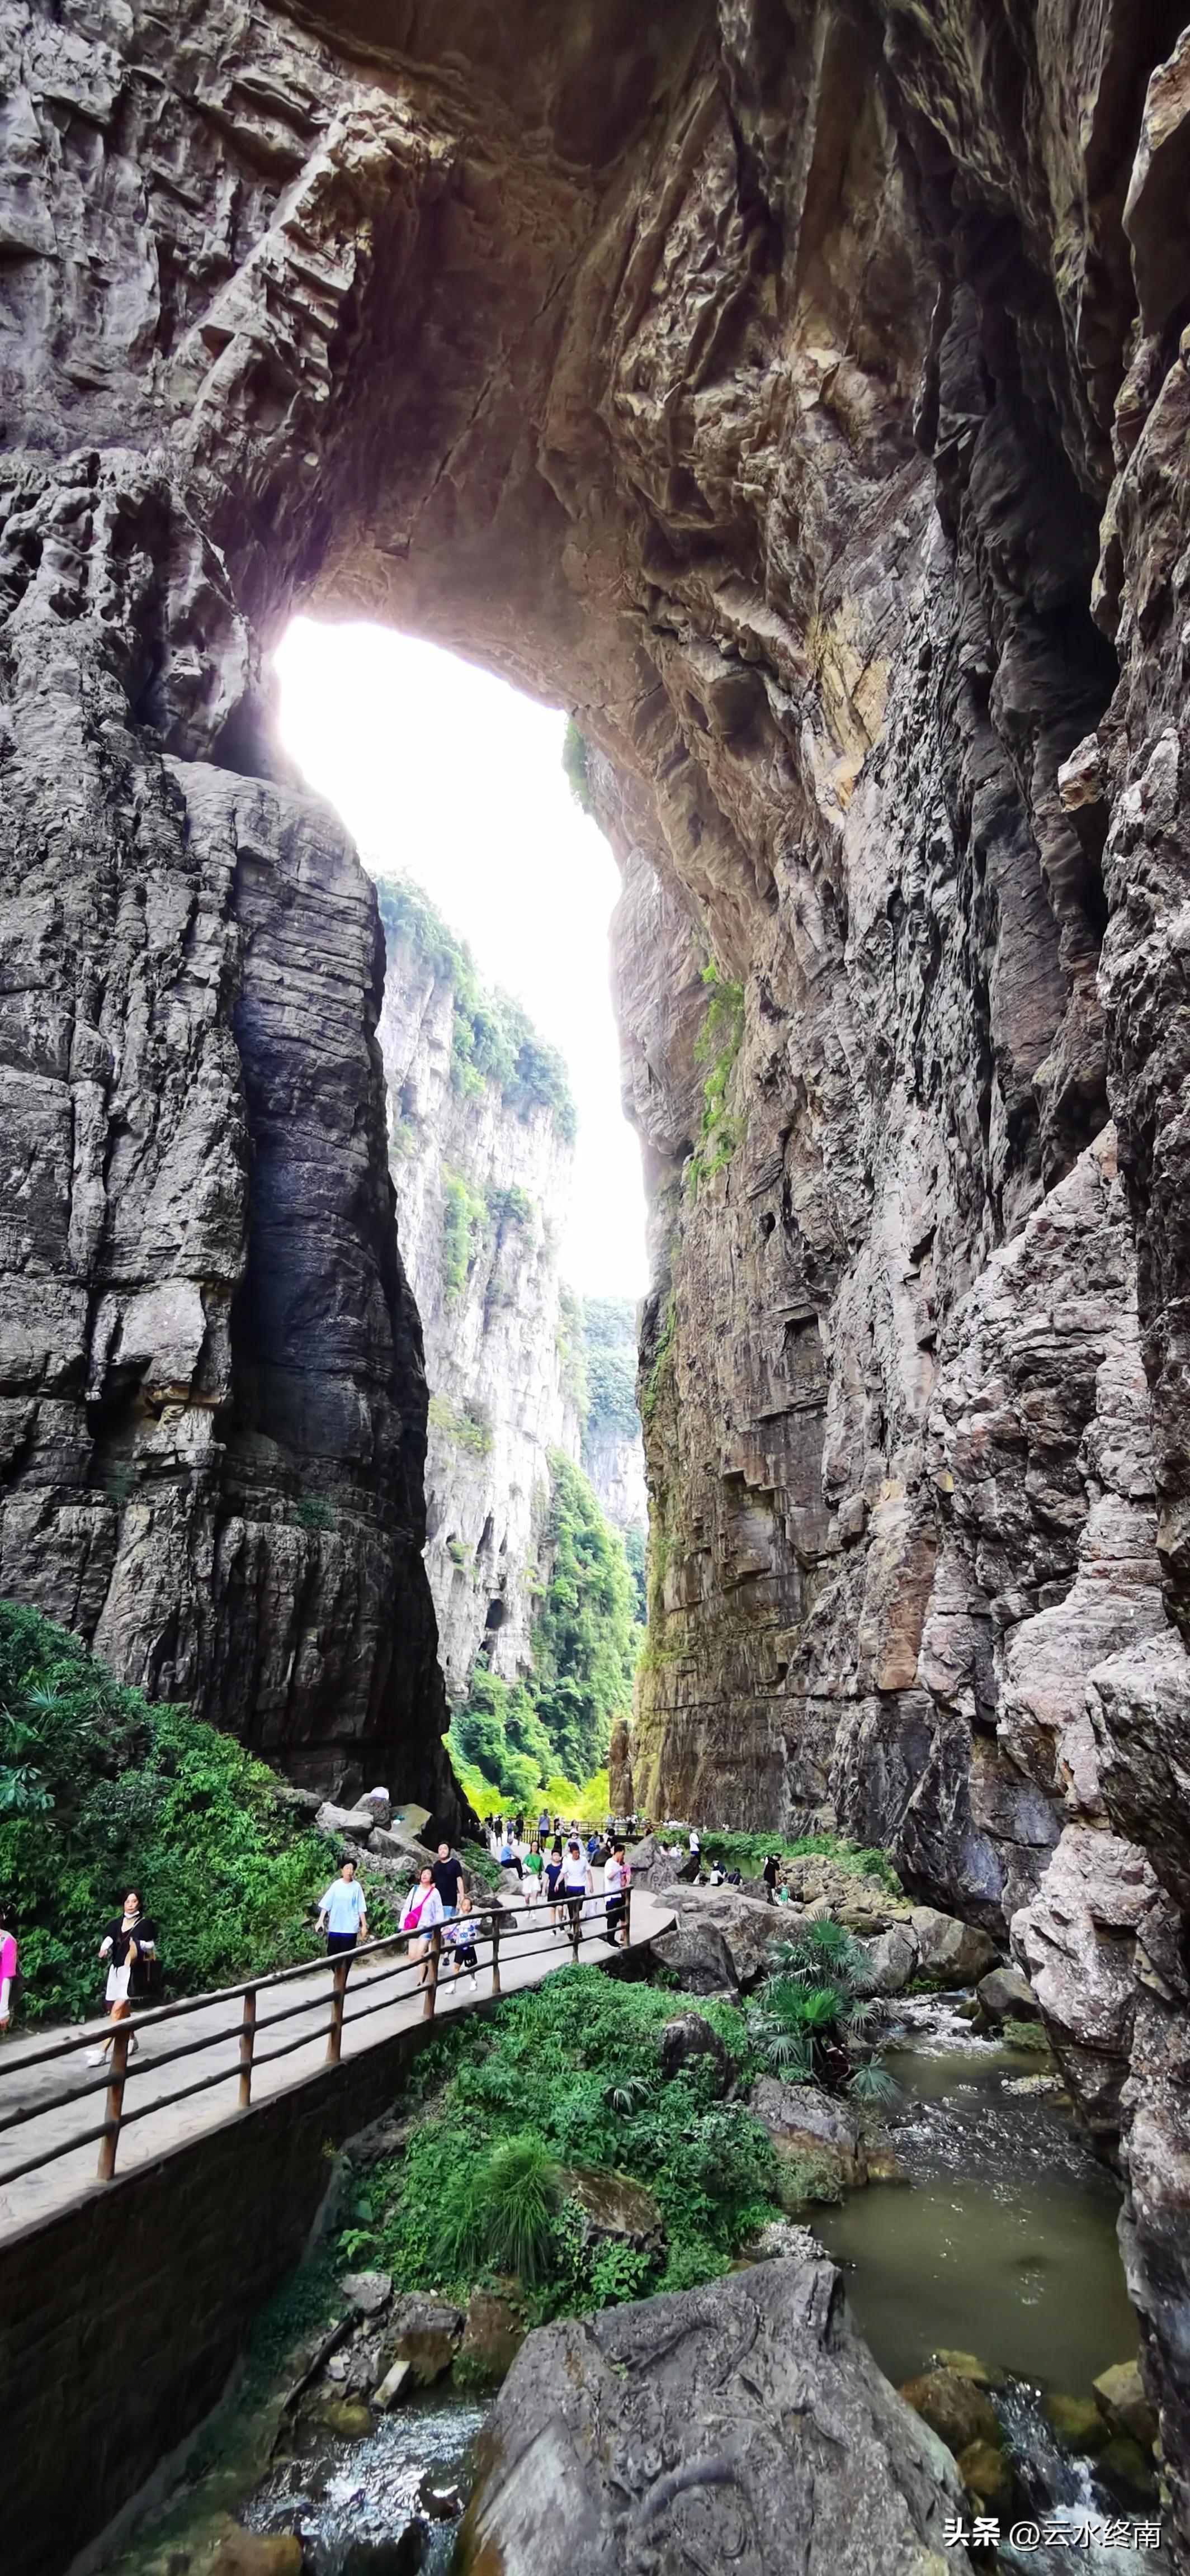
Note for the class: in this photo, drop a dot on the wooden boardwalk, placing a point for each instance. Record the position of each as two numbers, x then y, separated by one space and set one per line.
31 2198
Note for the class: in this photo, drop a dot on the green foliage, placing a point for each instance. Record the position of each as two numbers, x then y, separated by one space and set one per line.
313 1512
808 2177
464 1224
1026 2034
749 1852
717 1046
466 1427
815 2007
480 2190
661 1363
493 1040
495 2212
574 762
111 1793
585 1640
511 1206
609 1333
636 1544
571 1352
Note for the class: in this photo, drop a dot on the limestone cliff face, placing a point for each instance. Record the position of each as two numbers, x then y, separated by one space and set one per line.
613 1455
797 391
482 1183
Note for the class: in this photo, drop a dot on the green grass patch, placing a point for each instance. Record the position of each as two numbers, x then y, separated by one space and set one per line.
749 1852
569 2076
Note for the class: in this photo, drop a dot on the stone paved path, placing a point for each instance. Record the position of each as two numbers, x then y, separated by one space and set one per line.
38 2195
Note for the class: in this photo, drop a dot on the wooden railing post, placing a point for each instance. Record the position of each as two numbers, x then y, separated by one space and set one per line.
430 1990
495 1954
576 1924
628 1916
115 2102
247 2044
334 2044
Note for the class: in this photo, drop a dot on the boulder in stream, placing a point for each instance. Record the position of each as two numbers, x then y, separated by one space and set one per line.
1004 1995
492 2338
892 1959
741 2425
954 2407
1123 2403
255 2553
950 1951
803 2121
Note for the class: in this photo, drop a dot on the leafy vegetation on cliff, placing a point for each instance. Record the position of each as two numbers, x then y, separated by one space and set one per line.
563 2083
556 1726
574 762
100 1791
493 1039
609 1331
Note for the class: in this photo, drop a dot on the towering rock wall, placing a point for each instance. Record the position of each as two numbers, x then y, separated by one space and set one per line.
612 1450
798 391
482 1168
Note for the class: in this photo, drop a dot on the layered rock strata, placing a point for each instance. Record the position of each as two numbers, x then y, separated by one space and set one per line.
482 1181
799 393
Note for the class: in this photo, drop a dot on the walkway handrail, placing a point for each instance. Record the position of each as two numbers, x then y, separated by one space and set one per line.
492 1922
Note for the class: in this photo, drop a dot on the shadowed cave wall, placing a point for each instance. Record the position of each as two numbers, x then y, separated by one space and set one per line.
797 392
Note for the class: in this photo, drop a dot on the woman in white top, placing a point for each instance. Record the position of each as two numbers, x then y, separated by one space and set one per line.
578 1881
422 1915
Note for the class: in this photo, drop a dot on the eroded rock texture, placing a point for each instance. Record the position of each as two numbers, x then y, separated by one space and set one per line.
798 392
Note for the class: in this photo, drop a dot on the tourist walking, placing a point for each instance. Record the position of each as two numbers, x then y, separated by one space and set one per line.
8 1971
534 1866
770 1874
551 1890
449 1876
460 1938
617 1879
543 1826
343 1912
578 1882
129 1945
422 1915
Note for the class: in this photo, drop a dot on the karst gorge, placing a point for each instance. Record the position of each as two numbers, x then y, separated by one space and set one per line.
795 392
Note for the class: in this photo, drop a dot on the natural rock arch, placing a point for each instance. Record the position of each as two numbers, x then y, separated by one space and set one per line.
797 394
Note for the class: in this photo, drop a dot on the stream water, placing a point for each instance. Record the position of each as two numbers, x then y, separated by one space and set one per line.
1002 2243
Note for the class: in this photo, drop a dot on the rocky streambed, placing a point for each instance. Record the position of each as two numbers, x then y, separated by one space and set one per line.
979 2264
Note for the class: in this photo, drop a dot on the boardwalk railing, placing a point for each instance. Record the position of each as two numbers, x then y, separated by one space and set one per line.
498 1929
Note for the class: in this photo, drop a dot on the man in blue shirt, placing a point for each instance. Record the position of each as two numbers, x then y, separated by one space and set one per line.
343 1913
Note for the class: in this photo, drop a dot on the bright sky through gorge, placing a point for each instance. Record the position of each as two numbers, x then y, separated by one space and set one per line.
453 778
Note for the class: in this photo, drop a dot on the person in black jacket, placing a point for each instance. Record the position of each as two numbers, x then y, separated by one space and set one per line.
129 1945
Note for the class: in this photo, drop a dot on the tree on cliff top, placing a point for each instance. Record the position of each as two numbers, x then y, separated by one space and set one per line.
492 1039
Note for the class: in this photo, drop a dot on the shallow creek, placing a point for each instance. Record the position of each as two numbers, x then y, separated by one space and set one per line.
1002 2243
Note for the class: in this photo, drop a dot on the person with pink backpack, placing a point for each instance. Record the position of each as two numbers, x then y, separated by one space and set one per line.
423 1914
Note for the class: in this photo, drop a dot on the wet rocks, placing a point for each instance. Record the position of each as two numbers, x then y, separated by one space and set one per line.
254 2553
1123 2402
616 2210
1004 1995
492 2337
804 2122
950 1952
637 2431
367 2291
688 2040
892 1960
955 2407
425 2332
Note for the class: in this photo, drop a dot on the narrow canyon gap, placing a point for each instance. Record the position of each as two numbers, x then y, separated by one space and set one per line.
797 392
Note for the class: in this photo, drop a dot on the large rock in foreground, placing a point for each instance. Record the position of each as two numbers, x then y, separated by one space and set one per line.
743 2426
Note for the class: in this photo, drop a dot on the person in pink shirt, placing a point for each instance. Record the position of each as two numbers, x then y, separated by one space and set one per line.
8 1970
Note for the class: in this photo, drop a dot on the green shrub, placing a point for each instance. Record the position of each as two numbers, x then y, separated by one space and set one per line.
749 1852
1026 2034
103 1791
314 1512
496 2211
466 1427
493 1039
574 762
464 1224
479 2189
